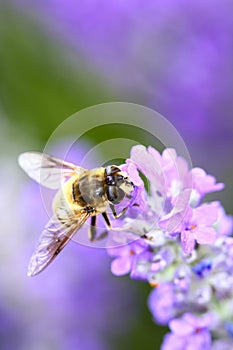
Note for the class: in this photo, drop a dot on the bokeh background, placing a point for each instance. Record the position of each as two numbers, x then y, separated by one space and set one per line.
57 57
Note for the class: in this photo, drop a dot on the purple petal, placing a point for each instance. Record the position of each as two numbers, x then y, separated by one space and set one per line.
138 195
161 303
121 266
181 327
200 341
181 202
204 183
224 225
131 169
192 320
198 322
174 221
155 154
205 320
206 214
188 241
174 168
148 165
205 235
169 156
173 342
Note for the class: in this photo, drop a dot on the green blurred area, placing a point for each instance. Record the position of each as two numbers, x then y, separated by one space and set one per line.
39 88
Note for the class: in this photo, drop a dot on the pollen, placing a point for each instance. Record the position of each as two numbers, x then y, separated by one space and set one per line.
193 227
154 284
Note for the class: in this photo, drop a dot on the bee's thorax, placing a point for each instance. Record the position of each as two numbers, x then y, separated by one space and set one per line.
89 189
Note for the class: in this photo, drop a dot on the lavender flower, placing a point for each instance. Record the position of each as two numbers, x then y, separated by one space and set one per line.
196 226
162 303
183 249
189 332
126 258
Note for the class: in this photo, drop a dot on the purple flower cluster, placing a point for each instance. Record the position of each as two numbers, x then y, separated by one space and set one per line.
182 248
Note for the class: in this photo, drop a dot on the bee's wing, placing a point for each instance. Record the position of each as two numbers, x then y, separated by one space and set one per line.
47 170
52 240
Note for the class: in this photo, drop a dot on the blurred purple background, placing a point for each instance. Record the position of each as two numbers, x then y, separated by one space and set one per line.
175 56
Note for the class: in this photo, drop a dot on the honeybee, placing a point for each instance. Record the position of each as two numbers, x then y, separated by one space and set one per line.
82 194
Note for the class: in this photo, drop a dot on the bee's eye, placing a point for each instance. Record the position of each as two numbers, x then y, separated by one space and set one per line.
120 177
115 194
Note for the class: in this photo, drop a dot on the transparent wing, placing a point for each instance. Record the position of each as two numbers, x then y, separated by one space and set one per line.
47 170
52 240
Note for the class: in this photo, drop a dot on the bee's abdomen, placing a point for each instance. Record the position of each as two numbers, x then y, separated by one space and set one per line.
77 196
89 189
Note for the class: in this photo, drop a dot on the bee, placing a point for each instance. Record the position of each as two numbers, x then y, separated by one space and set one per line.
81 194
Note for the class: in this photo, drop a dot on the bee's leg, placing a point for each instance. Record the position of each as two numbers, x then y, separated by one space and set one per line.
117 216
105 233
106 218
92 229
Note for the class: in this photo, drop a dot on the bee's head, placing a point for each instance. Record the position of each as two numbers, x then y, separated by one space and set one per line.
118 184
